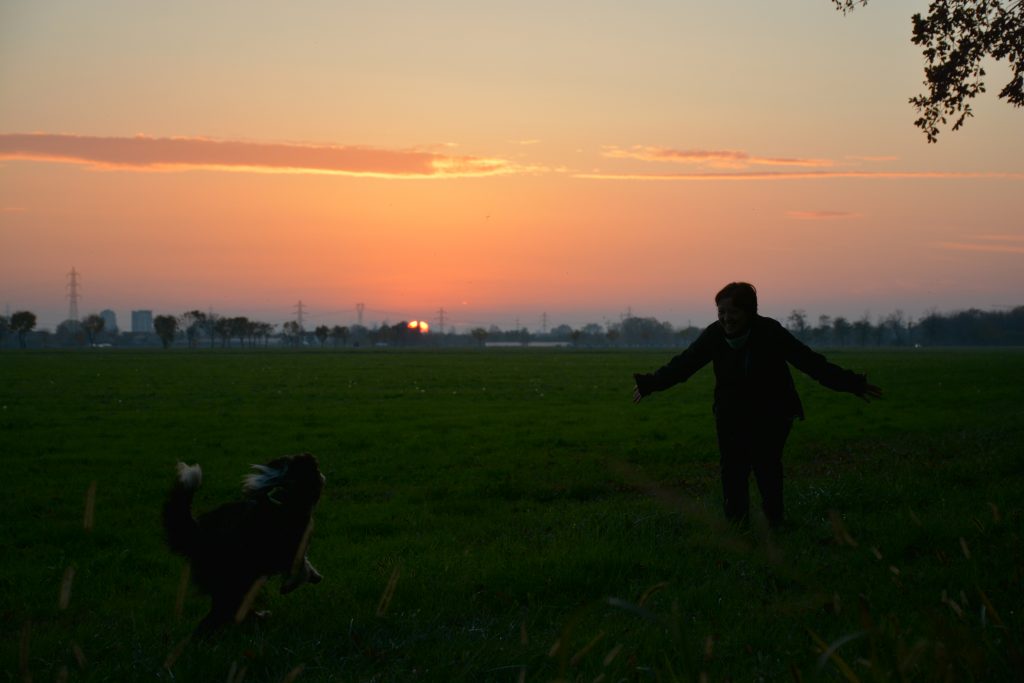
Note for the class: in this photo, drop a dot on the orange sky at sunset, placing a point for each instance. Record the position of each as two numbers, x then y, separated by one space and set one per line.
498 160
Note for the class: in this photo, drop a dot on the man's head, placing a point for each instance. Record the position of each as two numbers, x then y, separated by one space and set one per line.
737 306
743 296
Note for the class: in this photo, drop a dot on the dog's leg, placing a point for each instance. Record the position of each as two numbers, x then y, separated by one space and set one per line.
307 573
217 618
314 575
223 608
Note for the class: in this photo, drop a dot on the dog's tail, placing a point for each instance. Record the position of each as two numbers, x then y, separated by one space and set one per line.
180 527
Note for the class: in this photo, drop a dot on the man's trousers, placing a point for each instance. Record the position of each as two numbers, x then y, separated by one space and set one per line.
752 445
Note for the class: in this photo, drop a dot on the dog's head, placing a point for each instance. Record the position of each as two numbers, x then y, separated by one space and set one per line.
289 480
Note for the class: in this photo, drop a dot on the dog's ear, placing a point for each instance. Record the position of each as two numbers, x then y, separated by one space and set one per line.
280 464
266 477
283 481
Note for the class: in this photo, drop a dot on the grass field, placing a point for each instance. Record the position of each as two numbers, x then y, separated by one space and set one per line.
511 515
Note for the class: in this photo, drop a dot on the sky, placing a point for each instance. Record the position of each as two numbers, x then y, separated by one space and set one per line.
505 162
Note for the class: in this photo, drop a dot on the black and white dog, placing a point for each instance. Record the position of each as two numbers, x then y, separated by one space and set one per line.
238 544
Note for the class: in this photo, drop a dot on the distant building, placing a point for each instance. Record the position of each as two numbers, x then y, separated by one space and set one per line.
142 321
109 320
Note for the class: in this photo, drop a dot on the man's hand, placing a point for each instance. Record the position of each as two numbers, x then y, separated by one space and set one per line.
643 385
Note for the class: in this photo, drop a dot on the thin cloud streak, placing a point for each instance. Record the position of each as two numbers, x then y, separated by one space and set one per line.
1001 238
142 153
821 215
801 175
873 158
994 248
714 158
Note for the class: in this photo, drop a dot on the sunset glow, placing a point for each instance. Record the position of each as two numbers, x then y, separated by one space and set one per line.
491 164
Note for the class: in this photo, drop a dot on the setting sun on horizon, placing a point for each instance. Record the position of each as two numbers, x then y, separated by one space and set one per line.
497 161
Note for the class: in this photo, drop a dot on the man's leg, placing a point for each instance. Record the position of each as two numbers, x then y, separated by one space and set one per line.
767 465
734 460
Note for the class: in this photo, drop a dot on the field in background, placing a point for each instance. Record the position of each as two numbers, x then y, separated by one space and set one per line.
510 515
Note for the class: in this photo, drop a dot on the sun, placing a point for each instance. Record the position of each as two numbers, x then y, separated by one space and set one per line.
420 325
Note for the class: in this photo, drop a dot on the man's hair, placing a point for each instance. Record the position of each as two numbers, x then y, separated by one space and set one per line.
743 296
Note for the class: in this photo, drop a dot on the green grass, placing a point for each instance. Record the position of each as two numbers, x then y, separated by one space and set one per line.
535 524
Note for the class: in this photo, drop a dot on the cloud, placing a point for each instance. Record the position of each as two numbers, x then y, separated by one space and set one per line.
798 175
821 215
877 158
1002 238
990 244
713 158
739 165
142 153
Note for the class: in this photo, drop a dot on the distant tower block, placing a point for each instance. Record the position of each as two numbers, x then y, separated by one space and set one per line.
142 321
72 288
359 313
109 320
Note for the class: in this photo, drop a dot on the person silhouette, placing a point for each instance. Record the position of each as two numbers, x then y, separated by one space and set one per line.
755 400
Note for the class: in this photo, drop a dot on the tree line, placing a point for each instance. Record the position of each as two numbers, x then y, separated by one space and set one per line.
197 329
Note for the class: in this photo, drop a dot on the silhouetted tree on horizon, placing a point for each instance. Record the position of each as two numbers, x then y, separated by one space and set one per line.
93 325
210 324
166 327
70 331
265 331
797 324
222 328
841 329
322 332
637 331
194 322
23 322
291 331
239 327
862 330
340 333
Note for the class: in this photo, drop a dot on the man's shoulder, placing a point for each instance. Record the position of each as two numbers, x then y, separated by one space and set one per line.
765 322
708 340
712 331
713 327
770 329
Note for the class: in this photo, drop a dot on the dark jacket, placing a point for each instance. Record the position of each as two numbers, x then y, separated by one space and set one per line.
753 380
